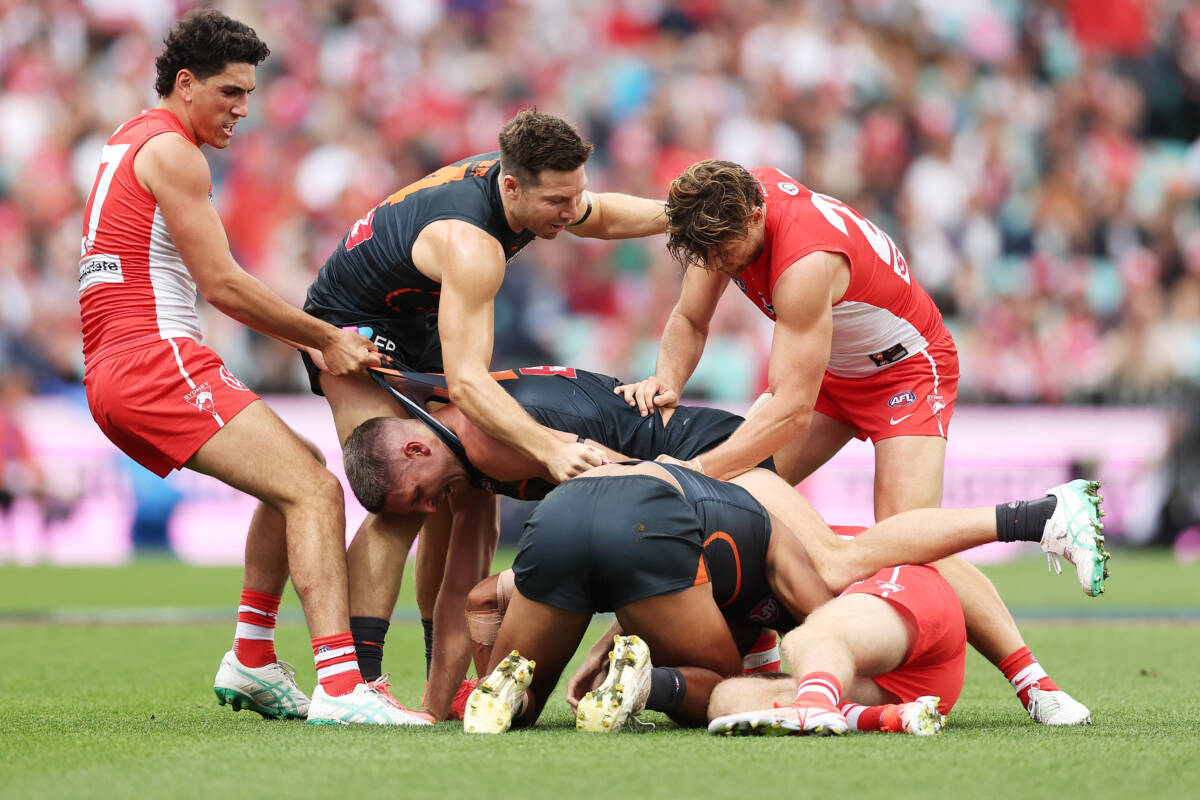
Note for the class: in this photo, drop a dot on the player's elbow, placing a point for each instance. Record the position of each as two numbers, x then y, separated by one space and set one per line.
795 419
222 291
464 389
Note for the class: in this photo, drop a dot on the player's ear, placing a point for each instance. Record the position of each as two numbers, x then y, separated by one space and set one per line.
184 82
414 449
510 185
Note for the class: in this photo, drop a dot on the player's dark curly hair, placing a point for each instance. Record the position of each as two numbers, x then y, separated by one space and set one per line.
204 42
533 141
709 204
365 458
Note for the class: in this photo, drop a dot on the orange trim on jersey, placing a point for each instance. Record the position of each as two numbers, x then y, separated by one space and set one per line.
504 375
737 563
390 295
701 573
444 175
481 167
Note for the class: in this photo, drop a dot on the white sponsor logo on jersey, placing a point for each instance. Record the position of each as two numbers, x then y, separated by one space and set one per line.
789 188
99 269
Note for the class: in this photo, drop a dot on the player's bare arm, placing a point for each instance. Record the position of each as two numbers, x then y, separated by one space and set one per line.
803 300
791 574
176 173
499 460
682 343
471 271
618 216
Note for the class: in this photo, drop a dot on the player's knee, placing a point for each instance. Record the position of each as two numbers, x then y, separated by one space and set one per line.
796 641
482 596
484 615
311 446
321 487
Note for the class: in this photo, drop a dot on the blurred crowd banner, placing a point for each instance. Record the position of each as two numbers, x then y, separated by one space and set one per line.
95 497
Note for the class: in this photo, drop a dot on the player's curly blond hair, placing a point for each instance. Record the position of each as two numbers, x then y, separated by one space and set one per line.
709 204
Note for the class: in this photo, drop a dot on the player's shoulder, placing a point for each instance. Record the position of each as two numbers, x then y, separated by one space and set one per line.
778 185
480 164
172 153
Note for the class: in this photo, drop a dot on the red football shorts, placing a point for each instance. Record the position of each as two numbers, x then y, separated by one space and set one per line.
913 398
937 659
159 402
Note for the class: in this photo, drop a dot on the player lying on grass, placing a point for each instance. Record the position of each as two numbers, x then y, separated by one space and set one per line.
886 655
398 465
612 543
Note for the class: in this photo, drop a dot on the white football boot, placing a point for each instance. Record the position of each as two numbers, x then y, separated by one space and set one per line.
271 690
623 694
499 697
1075 532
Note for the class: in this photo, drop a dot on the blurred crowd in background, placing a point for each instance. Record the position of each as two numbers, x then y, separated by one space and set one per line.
1038 162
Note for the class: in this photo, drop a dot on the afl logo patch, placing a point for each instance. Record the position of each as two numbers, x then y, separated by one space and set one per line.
789 188
902 399
766 612
231 381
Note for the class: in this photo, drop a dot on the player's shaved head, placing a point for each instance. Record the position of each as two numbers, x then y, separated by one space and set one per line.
709 205
368 460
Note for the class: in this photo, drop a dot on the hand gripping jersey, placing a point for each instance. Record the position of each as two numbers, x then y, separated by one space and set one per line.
370 279
132 283
884 317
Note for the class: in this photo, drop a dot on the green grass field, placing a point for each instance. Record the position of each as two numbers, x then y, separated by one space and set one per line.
97 705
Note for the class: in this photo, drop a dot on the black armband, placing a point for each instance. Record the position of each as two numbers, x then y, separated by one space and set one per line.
586 214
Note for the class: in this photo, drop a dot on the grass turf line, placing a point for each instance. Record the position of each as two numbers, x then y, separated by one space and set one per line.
125 711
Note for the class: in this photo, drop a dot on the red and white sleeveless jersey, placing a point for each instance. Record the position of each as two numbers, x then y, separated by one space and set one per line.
884 317
132 283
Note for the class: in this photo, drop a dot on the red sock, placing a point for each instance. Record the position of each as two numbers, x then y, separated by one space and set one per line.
764 655
864 718
254 639
1024 672
337 665
819 688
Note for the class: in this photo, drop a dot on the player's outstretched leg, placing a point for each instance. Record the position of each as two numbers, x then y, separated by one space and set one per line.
1075 532
814 712
270 690
499 697
624 691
